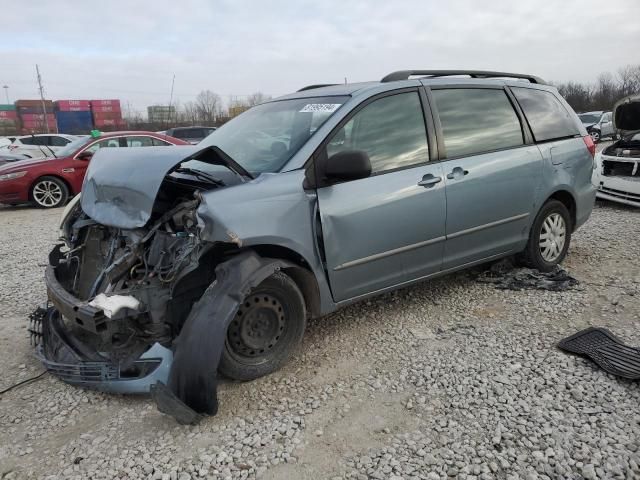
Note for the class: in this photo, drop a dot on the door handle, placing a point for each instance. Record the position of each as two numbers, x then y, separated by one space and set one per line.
429 181
457 173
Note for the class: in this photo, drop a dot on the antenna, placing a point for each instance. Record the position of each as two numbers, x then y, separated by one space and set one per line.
44 108
173 81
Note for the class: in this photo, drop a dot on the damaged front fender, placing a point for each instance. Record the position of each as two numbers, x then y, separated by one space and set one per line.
198 349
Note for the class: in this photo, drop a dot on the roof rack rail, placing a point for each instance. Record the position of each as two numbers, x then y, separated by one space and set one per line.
405 74
319 85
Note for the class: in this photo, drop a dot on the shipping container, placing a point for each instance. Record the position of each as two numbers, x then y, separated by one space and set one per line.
72 105
106 109
74 122
107 116
31 110
28 117
9 114
105 103
33 103
7 107
110 122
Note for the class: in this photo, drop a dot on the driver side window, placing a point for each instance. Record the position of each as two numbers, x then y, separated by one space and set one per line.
390 130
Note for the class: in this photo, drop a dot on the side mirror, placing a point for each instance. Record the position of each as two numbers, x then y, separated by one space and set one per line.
347 165
86 155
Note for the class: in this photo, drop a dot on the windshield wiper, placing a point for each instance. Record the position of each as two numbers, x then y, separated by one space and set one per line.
200 174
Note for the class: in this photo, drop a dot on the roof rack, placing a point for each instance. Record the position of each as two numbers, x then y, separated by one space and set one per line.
319 85
405 74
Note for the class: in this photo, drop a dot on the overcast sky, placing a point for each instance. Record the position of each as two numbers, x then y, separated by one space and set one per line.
131 49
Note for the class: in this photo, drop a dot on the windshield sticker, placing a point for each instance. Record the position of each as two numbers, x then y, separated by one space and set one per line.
321 107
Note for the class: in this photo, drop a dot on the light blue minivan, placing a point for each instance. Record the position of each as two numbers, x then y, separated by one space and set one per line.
217 254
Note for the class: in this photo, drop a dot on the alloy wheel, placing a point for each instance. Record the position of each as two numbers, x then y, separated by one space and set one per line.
552 237
47 193
595 136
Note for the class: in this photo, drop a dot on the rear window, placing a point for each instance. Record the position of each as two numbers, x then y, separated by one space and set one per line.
547 117
477 120
190 133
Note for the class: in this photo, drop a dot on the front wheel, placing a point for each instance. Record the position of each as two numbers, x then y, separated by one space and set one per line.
549 237
595 136
267 328
49 192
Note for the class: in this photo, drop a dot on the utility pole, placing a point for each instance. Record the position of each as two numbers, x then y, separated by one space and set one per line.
44 107
6 92
173 81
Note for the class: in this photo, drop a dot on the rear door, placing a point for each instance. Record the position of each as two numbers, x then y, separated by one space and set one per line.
388 228
492 171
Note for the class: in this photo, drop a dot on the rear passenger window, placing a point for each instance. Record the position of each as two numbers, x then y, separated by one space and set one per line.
476 120
58 141
547 117
159 143
391 130
139 141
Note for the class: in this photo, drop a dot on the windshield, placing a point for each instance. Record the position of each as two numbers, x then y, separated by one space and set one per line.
589 118
264 138
70 148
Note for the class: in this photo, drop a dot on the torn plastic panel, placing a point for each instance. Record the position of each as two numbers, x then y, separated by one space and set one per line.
198 348
67 357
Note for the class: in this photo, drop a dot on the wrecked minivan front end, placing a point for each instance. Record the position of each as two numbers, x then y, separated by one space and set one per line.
125 277
617 172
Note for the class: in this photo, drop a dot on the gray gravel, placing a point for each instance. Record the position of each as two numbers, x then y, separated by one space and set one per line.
449 379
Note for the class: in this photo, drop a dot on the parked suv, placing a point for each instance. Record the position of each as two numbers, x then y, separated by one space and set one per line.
41 145
598 124
179 263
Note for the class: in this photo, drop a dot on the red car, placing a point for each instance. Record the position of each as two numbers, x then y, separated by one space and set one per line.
49 182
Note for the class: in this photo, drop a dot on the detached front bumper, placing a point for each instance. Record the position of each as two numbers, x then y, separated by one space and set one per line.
66 356
621 189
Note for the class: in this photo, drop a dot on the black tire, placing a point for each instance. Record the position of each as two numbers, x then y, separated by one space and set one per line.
533 255
58 193
267 329
595 135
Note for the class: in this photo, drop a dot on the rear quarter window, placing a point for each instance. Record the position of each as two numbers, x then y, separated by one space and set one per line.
477 120
547 117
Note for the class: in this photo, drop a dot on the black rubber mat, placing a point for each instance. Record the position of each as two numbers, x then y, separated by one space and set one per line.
604 348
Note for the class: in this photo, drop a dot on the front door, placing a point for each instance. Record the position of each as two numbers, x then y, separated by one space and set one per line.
491 175
389 228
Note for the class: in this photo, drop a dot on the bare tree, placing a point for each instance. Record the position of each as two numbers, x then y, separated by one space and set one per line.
190 113
208 106
257 98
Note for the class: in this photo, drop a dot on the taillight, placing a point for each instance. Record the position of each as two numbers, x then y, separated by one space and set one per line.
588 141
13 147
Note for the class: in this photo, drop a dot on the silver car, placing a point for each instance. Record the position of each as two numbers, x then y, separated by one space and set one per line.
178 264
599 124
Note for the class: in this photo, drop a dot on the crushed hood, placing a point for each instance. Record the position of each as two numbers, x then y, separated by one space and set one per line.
626 115
121 184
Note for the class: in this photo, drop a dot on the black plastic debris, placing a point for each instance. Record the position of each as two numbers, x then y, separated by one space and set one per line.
506 276
605 349
192 388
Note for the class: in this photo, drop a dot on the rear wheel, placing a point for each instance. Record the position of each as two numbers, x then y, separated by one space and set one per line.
267 328
49 192
549 237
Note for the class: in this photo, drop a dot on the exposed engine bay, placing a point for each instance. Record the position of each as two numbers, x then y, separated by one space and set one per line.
121 300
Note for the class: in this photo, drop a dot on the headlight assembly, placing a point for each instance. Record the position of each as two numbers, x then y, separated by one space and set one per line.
11 176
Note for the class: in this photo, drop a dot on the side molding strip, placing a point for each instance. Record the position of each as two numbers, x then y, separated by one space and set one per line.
432 241
388 253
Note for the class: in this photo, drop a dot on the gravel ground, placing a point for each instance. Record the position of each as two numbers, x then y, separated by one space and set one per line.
448 379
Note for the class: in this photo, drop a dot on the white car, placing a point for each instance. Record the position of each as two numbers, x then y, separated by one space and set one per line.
41 145
617 171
